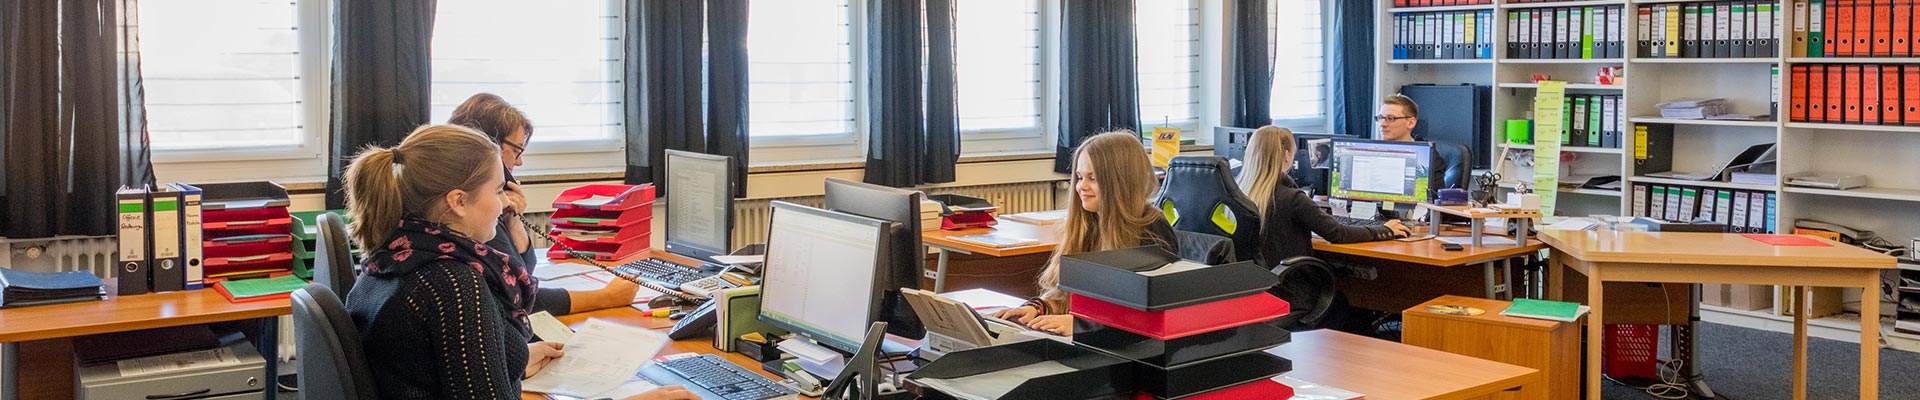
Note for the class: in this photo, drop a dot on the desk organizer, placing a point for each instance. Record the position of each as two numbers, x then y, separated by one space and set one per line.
1123 277
624 213
246 231
1184 321
1088 374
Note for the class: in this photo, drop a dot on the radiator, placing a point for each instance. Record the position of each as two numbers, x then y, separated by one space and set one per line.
750 216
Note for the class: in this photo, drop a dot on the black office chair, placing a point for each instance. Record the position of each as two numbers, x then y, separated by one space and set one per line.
1199 195
1309 287
1204 248
1454 165
333 261
332 364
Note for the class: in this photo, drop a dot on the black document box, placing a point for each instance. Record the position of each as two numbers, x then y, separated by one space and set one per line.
1114 276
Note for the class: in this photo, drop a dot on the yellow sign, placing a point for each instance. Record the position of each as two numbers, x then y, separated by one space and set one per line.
1166 144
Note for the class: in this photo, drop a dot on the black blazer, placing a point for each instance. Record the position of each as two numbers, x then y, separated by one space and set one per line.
1291 219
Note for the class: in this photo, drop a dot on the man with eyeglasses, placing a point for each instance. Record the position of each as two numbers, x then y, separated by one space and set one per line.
1397 117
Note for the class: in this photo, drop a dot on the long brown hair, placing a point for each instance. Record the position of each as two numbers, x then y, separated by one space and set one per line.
1125 177
492 116
1269 155
386 184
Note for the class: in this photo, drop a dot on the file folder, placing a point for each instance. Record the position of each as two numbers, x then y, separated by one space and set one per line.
1843 28
1561 21
1673 30
1773 206
1657 202
1870 94
1863 27
168 271
1614 35
1890 109
1707 204
1610 126
1691 47
1639 200
1798 40
1723 207
192 252
1853 98
1836 103
1593 121
1673 202
1737 38
1769 39
1514 35
1741 223
1903 32
1585 22
1882 31
1722 30
1689 200
1797 93
1911 102
1579 118
136 244
1816 28
1643 33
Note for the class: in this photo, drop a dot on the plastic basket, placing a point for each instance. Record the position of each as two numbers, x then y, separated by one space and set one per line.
1632 351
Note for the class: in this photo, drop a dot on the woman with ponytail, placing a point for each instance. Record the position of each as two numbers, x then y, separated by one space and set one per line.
1112 180
441 314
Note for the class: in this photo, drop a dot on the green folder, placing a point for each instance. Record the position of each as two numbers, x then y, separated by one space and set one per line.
1544 309
245 288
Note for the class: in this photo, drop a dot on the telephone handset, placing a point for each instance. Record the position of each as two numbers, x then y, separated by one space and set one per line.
696 322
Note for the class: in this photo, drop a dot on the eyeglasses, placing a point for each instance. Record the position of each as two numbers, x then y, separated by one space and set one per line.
518 150
1384 117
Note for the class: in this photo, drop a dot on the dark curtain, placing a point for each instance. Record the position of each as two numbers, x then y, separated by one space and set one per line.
896 128
382 71
1252 65
1352 76
727 86
74 128
670 78
943 96
1102 93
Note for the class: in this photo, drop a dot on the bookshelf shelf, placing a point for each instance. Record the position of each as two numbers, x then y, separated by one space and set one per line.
1707 122
1570 86
1651 60
1460 61
1705 184
1861 193
1562 60
1853 127
1570 149
1854 60
1562 4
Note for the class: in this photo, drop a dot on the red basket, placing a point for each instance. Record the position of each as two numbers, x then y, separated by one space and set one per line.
1632 350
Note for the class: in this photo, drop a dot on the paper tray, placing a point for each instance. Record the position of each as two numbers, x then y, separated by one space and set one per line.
241 195
218 248
1209 376
1183 321
1261 389
1095 375
1181 352
588 218
954 203
1110 276
599 251
625 197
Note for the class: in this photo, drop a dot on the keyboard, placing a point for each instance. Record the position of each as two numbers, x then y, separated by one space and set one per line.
663 272
1350 221
725 379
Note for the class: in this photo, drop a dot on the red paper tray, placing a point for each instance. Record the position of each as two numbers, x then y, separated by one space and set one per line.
599 251
641 234
625 197
250 227
589 218
1184 321
221 267
967 220
1263 389
247 246
246 214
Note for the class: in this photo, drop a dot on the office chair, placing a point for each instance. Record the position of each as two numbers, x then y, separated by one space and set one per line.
1455 165
333 261
1309 286
1204 248
332 364
1199 195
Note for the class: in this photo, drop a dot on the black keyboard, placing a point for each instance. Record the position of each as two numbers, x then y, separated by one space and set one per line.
1350 221
663 272
723 378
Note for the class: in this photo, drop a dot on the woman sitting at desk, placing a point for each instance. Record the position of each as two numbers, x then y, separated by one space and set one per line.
1288 218
505 125
1112 179
441 314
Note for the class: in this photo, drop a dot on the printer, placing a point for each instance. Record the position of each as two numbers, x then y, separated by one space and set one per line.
234 370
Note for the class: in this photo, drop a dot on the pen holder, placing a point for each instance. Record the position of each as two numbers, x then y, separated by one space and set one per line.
762 352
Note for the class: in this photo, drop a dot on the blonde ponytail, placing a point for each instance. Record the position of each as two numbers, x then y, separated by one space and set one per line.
386 184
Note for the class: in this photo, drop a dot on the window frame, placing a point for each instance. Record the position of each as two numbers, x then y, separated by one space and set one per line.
825 148
1040 139
1324 122
1189 128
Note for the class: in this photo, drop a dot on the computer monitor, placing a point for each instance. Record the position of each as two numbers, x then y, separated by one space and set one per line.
821 275
1232 142
1381 170
699 204
903 257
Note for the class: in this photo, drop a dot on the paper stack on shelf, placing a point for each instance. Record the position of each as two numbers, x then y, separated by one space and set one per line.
607 222
1693 109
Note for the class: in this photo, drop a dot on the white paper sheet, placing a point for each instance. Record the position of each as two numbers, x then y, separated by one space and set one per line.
574 282
548 271
983 299
548 328
599 357
1303 390
995 385
734 260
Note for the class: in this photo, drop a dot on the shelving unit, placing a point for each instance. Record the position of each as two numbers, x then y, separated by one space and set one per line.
1883 153
1441 8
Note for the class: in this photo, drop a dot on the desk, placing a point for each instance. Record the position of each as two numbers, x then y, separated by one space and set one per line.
1721 258
1428 253
942 241
130 313
1384 370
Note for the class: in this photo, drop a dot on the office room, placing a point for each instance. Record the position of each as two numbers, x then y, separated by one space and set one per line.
959 199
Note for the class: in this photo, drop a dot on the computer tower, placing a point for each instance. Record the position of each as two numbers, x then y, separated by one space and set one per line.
1455 113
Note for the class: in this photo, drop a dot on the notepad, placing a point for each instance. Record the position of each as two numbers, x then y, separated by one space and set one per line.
1546 309
996 240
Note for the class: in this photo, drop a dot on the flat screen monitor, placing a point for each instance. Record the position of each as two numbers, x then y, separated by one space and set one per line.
699 204
1381 170
820 279
1232 142
900 268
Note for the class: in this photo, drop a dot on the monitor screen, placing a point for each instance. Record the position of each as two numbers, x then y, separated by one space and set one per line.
699 204
819 279
1381 170
903 257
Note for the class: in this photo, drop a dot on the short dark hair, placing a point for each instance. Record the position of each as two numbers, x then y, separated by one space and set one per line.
492 116
1413 110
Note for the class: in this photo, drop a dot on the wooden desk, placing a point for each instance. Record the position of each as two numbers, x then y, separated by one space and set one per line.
1428 253
130 313
1385 370
942 241
1722 258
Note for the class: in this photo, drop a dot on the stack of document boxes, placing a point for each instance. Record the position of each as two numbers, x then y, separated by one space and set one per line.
964 212
605 222
1146 326
306 240
245 231
929 215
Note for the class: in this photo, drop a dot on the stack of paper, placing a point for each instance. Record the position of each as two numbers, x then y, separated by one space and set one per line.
1040 217
599 358
24 288
996 240
929 215
1693 109
1546 309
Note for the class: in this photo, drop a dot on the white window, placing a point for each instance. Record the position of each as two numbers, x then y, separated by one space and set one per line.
224 78
999 48
558 62
1168 51
801 71
1300 67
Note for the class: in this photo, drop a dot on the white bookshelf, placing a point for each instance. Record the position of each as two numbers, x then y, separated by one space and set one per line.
1882 153
1442 8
